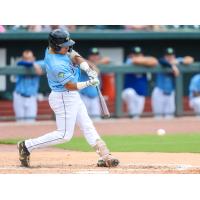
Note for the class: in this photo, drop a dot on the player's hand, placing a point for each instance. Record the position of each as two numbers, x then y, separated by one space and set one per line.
93 82
92 74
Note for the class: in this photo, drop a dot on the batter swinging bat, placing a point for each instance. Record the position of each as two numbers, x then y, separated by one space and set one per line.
104 107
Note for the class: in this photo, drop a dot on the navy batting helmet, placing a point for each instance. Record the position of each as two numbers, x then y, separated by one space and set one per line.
59 38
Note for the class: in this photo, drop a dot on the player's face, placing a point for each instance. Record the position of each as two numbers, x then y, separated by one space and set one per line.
95 58
64 50
28 56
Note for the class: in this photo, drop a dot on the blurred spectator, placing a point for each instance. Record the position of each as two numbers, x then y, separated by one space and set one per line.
2 29
108 79
163 95
89 95
144 27
48 28
34 28
26 90
194 94
136 85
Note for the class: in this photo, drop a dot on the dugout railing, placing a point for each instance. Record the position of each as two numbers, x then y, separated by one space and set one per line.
119 71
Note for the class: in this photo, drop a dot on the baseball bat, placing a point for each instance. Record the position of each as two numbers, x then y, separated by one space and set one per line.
103 104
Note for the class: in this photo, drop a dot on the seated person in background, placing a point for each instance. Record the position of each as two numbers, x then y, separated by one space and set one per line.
163 95
136 85
26 89
89 95
194 94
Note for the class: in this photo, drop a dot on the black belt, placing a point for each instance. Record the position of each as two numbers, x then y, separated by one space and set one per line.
24 95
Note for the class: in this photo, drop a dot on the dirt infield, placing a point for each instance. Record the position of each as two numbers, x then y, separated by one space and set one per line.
52 160
106 127
55 161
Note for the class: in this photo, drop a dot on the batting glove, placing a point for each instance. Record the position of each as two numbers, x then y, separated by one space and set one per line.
93 82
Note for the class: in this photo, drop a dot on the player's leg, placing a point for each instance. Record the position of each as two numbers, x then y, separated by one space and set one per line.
157 101
129 96
169 108
140 100
93 138
18 106
65 108
85 100
30 108
195 104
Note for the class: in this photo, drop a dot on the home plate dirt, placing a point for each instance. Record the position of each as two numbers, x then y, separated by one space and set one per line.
54 161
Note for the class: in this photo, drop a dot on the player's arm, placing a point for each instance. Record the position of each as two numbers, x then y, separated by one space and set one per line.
71 86
38 69
145 61
84 64
187 60
175 70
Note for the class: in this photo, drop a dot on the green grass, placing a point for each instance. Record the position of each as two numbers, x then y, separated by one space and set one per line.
136 143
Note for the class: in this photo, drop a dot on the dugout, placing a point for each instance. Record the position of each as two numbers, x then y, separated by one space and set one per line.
117 41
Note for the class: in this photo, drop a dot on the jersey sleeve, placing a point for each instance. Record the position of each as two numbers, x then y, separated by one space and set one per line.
128 61
164 63
63 74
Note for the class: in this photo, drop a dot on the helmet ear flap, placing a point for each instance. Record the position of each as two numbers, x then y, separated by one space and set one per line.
53 44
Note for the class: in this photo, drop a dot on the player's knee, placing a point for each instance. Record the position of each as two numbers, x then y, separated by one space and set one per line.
129 93
66 136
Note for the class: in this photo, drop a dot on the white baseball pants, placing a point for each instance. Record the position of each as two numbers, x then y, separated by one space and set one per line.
25 108
69 109
135 102
195 104
92 105
162 104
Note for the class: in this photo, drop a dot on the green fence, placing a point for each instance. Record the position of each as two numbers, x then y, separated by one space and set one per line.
119 72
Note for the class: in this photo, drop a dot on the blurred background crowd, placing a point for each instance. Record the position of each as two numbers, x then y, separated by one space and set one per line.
47 28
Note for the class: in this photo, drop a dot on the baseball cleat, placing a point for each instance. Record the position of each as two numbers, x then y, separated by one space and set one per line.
24 155
110 162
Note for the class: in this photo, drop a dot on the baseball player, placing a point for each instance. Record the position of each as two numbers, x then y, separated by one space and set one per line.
163 95
26 89
136 85
194 94
63 69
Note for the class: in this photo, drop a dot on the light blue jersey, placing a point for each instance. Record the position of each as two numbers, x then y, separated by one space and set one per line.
28 85
194 85
60 70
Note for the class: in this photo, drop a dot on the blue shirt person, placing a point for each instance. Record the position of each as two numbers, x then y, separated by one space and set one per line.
136 84
194 87
136 81
26 89
28 85
194 94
